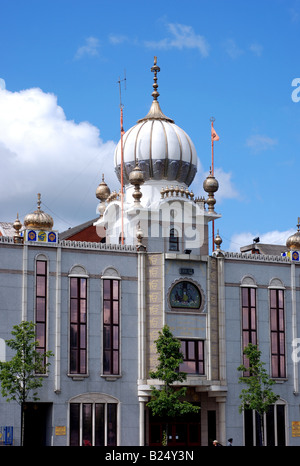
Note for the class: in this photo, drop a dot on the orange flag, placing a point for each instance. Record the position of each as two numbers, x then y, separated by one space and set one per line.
214 136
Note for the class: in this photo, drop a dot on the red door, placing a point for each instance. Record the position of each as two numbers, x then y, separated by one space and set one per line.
179 434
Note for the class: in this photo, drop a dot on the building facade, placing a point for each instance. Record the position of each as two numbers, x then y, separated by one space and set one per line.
100 293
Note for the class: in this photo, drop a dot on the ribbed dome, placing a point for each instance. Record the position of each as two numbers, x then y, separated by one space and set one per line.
163 150
38 219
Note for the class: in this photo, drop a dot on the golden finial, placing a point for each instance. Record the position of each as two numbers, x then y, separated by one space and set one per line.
155 69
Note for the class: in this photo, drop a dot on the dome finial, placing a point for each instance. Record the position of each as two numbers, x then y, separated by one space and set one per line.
155 69
155 112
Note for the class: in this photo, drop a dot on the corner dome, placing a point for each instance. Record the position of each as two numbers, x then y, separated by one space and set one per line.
38 219
162 149
293 241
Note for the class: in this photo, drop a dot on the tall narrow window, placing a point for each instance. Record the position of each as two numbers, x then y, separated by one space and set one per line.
277 333
41 305
248 317
111 326
78 325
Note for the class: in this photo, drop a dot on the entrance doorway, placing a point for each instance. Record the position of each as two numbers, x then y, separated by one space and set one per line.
179 434
182 431
37 424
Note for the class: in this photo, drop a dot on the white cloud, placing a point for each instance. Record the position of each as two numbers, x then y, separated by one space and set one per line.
232 49
181 37
256 48
272 237
41 151
90 49
259 142
117 39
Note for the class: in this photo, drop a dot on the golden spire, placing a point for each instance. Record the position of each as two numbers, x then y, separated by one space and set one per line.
155 112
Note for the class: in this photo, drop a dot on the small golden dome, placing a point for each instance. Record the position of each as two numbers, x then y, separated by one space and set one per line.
210 184
293 242
102 191
136 177
38 219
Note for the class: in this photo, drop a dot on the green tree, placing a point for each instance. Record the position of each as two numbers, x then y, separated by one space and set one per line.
167 400
258 395
18 377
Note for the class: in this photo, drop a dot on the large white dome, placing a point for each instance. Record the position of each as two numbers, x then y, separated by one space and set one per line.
162 149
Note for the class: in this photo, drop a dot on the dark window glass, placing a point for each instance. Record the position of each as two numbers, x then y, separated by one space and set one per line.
193 357
78 325
111 310
249 334
173 240
277 328
41 306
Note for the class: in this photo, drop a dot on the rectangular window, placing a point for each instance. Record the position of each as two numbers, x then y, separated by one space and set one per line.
41 305
277 328
111 326
193 357
78 325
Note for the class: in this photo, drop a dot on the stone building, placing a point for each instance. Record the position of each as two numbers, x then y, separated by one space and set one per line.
100 293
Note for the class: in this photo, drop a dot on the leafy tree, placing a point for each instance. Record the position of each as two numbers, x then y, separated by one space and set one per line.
18 377
167 400
258 396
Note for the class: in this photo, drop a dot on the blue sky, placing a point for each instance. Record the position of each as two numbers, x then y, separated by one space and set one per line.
60 62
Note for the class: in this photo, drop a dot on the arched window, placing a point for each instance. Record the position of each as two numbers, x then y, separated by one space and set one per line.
249 321
41 289
78 320
94 420
274 425
277 328
111 322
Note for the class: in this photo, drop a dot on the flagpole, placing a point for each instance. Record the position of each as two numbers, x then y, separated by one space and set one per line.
212 172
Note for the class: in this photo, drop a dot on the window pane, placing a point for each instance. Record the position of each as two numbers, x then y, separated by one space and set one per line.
107 338
116 312
74 310
99 425
82 310
252 297
74 287
74 424
41 309
280 426
106 312
245 318
82 369
191 349
245 293
111 424
40 334
116 362
106 362
115 337
115 289
83 287
273 299
106 289
280 299
40 286
87 425
41 267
